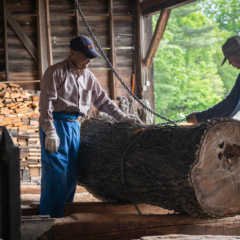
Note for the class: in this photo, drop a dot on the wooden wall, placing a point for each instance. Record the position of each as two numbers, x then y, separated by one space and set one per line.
19 29
1 39
21 49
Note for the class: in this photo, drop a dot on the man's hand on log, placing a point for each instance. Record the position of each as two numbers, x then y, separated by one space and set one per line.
132 119
191 118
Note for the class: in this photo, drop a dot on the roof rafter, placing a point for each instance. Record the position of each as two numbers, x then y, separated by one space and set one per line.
158 34
150 7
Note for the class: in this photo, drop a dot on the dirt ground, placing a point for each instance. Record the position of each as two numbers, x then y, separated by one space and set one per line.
31 193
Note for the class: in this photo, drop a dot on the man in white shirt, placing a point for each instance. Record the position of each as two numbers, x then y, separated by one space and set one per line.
68 89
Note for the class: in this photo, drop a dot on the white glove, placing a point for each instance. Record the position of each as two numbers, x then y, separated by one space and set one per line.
52 141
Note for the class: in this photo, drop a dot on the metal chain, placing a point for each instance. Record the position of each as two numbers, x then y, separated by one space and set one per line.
169 121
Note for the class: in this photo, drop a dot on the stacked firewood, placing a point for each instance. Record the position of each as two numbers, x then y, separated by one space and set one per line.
19 112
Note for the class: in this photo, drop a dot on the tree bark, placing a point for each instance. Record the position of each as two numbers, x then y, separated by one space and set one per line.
189 169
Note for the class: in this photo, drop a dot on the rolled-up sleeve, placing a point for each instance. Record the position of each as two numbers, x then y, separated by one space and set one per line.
102 102
48 94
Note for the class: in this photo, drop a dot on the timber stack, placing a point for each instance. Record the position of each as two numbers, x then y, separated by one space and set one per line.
19 112
188 169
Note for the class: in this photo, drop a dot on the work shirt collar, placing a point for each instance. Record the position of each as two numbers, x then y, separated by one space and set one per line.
72 68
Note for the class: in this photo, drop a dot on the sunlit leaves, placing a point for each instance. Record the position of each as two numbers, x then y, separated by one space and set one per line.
187 67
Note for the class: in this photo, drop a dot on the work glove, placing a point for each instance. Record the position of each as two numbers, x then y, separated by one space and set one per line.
191 118
52 141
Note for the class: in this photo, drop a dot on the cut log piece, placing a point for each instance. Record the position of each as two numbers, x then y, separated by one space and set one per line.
189 169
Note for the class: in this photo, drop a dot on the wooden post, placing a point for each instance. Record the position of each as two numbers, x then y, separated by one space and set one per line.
121 227
113 91
43 62
49 37
5 39
139 45
158 34
153 6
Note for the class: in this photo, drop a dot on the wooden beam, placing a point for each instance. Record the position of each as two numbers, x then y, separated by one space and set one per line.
49 36
27 42
139 49
158 34
153 6
13 81
43 62
188 237
102 17
5 38
113 89
90 226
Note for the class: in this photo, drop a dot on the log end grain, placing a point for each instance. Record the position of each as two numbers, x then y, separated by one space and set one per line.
216 174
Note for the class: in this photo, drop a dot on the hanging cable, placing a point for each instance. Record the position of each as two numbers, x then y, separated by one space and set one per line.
168 121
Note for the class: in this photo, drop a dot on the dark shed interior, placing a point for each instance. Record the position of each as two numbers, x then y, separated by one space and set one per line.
36 34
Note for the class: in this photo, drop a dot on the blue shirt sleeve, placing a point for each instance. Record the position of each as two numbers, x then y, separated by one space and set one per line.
225 108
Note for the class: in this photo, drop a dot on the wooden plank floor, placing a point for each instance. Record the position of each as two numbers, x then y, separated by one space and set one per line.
89 226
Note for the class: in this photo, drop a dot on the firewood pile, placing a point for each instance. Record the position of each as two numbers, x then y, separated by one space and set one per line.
19 112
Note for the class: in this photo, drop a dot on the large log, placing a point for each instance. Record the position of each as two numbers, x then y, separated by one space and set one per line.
189 169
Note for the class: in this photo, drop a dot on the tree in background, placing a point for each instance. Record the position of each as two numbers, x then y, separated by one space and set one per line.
223 12
187 71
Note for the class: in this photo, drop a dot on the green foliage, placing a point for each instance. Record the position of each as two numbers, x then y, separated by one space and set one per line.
224 12
187 67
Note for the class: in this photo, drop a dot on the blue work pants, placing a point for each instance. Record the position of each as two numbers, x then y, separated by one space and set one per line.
60 169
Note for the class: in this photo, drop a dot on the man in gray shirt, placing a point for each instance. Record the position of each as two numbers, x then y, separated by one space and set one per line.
230 105
68 89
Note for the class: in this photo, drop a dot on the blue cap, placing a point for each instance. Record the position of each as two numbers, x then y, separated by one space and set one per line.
83 44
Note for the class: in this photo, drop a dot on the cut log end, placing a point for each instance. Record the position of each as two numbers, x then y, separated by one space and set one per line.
216 174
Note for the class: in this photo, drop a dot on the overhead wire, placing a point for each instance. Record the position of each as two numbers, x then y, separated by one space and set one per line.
97 44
